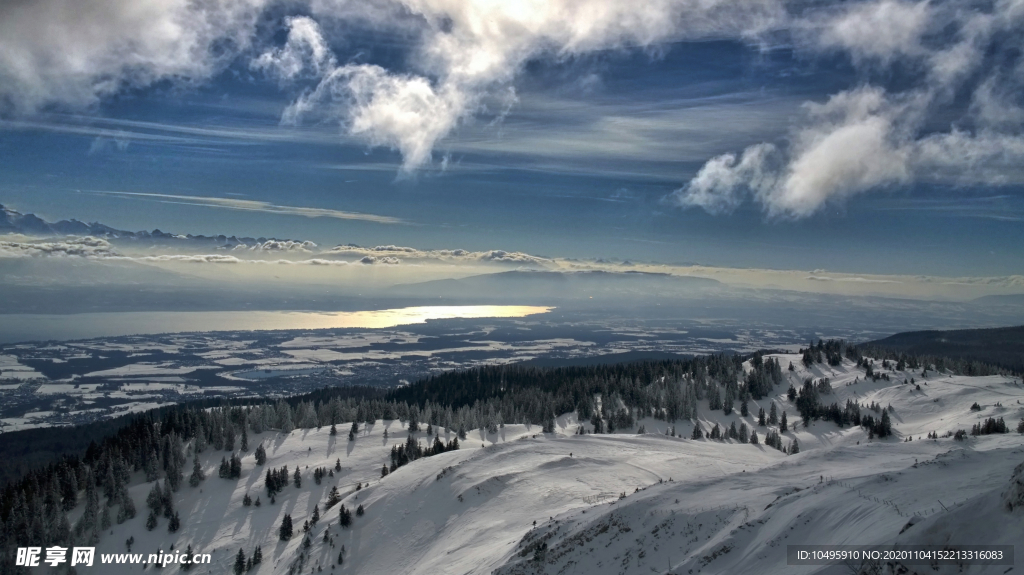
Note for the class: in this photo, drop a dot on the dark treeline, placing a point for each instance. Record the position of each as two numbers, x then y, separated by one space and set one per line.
1002 346
22 451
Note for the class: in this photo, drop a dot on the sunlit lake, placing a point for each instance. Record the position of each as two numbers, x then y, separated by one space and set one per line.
36 327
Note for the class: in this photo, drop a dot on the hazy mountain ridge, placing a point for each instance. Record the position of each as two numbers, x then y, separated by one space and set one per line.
1002 346
12 221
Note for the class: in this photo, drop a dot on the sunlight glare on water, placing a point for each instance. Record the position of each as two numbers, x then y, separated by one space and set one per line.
36 327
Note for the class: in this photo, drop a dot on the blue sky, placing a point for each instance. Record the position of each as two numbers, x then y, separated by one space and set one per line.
872 136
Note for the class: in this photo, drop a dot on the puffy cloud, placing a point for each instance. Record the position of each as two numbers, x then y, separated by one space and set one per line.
510 257
385 260
868 138
719 186
281 246
75 53
850 145
873 31
305 54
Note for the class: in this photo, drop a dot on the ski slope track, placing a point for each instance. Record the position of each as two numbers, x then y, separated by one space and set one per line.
523 502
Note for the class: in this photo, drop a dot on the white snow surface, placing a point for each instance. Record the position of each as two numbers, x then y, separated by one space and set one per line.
688 507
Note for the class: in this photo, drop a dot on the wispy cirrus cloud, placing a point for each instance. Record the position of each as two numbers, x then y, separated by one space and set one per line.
253 206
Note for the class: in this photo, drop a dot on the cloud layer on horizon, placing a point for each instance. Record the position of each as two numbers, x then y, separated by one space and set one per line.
410 265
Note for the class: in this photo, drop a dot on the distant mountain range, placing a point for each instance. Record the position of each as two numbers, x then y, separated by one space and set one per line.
12 221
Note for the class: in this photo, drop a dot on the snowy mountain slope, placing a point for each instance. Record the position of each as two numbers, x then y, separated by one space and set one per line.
706 506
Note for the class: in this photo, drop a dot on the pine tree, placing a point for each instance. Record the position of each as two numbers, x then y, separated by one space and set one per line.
285 532
298 477
783 425
245 439
360 510
127 509
151 520
334 429
333 498
345 516
240 562
885 426
155 499
316 515
175 523
753 438
698 433
760 417
257 555
794 447
773 415
261 455
197 472
744 408
188 553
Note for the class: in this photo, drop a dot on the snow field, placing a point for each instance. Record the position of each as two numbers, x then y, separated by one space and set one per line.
706 506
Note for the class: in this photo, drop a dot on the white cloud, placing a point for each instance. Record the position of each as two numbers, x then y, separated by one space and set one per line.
385 260
454 255
719 187
75 53
403 112
281 246
873 31
305 54
255 206
867 138
69 247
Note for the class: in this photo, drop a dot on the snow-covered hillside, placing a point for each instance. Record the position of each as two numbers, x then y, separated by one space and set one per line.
521 501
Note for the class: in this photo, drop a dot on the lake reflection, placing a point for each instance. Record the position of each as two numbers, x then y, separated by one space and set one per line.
36 327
